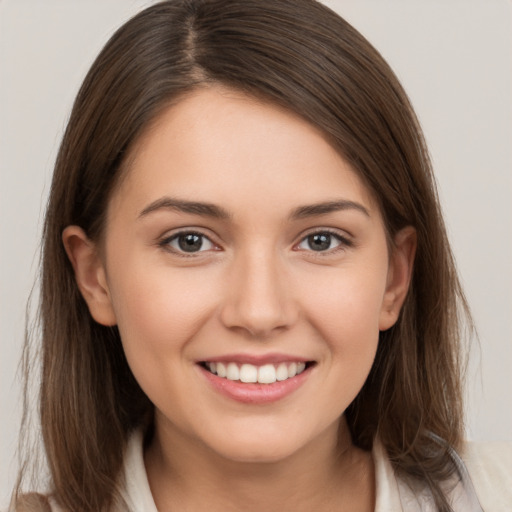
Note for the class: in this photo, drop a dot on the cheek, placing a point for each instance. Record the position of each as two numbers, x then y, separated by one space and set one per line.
159 311
344 309
346 301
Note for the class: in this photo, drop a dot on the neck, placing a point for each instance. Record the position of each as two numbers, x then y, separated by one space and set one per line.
330 473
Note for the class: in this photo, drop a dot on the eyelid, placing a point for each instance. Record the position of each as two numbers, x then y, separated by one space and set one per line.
165 240
343 237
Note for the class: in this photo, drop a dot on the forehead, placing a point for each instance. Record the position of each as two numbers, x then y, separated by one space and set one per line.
223 143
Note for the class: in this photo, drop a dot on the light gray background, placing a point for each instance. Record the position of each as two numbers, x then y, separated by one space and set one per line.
454 58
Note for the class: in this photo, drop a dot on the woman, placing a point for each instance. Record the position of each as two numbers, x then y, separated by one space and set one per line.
248 297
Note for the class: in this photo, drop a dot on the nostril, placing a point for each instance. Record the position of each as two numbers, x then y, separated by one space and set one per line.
259 304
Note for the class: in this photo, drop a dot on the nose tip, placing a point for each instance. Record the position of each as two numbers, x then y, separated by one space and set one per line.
258 301
260 328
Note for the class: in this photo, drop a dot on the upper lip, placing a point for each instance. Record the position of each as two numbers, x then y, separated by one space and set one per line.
255 359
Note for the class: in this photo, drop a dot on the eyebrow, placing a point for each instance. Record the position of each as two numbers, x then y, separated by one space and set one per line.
327 207
214 211
181 205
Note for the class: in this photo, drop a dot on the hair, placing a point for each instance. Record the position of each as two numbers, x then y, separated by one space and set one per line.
299 55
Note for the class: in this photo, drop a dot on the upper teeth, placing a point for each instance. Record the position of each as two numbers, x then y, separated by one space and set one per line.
266 374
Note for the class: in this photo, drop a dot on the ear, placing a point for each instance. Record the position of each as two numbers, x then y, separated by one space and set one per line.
89 274
401 264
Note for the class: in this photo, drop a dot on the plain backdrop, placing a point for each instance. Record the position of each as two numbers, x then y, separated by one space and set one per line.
454 58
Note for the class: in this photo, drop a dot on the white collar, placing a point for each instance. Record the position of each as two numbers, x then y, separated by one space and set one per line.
136 491
392 493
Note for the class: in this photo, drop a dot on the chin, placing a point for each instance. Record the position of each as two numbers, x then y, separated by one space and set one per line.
259 445
257 453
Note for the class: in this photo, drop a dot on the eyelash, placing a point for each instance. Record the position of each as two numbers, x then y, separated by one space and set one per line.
344 242
165 243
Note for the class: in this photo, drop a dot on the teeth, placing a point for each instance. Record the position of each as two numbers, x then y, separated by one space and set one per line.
282 372
221 370
267 374
249 373
232 372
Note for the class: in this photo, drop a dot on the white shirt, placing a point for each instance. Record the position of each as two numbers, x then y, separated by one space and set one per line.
487 487
486 484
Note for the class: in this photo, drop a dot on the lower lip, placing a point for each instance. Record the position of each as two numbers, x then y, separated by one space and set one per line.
254 393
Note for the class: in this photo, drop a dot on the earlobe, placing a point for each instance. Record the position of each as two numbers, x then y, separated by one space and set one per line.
401 264
89 274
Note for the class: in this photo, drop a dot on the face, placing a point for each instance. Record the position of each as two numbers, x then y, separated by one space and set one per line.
248 270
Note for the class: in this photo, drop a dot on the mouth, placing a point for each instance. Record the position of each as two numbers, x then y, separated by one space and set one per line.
256 374
252 380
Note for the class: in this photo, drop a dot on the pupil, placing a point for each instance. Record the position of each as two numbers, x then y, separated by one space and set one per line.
319 242
190 243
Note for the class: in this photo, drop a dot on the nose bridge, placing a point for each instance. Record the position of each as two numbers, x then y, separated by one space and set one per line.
258 298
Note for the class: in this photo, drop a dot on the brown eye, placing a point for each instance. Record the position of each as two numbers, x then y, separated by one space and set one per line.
319 242
323 241
189 243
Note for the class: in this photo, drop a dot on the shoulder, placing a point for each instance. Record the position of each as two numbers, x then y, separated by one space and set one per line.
134 485
490 468
483 482
134 490
34 502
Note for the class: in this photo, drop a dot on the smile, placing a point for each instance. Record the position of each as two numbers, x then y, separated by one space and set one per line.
249 373
257 379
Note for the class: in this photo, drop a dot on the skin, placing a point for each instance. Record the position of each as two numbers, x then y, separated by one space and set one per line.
255 287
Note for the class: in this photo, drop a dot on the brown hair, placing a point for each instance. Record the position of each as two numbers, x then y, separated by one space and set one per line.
300 55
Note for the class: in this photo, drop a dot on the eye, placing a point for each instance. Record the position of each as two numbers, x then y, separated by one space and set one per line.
322 241
188 242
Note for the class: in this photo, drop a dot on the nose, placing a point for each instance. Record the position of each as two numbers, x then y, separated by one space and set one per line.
258 297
